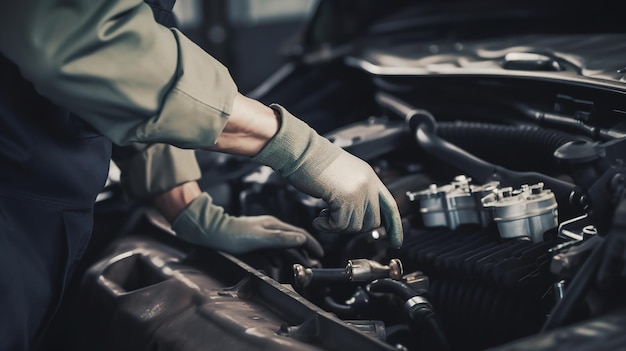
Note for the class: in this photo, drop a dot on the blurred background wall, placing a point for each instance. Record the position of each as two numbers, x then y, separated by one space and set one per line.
250 37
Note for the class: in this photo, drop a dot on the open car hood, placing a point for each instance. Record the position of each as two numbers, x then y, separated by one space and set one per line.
576 41
570 58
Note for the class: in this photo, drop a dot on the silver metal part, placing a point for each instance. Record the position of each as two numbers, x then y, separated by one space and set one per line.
417 281
454 204
559 290
590 230
302 276
415 300
571 230
364 270
526 212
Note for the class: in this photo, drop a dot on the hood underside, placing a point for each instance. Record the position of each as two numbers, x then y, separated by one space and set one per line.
595 59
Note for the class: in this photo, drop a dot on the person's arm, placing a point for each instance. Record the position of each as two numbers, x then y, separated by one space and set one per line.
110 63
357 199
134 80
165 178
171 202
149 169
191 215
250 126
131 78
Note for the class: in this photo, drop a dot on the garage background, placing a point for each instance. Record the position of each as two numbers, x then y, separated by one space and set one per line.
251 37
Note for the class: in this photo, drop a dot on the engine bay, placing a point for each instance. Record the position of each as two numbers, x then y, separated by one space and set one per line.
510 184
488 251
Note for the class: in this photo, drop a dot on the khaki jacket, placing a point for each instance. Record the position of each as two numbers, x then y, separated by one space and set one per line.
110 63
134 80
151 169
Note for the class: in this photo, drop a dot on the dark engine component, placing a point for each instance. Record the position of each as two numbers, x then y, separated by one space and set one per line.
149 295
476 271
486 290
484 248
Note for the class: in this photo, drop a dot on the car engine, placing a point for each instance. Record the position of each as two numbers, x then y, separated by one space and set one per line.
506 160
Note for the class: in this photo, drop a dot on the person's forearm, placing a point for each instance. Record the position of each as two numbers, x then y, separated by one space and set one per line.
171 202
147 170
250 126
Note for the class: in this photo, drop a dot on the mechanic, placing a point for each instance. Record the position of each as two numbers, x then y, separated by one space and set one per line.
125 78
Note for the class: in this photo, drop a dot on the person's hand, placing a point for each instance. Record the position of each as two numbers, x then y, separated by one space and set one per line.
357 199
206 224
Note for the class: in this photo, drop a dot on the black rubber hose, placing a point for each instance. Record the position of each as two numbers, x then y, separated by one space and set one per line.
425 127
422 314
329 275
580 285
539 142
566 121
338 308
549 138
483 171
387 285
433 325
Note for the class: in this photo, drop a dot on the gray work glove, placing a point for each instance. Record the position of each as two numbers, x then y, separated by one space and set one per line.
206 224
357 199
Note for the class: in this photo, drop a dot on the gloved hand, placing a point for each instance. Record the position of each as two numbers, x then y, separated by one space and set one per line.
357 199
206 224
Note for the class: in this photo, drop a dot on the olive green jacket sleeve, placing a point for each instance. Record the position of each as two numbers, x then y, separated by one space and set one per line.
147 170
110 63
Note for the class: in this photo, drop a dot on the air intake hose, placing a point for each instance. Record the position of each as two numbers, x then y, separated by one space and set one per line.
425 127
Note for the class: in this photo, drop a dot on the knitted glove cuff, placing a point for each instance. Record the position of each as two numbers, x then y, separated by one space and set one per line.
294 145
200 216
